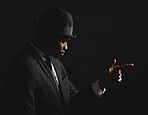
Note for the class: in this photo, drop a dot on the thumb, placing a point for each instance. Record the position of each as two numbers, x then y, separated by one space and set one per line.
114 63
112 67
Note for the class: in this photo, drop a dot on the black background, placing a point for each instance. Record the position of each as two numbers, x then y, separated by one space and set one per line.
106 29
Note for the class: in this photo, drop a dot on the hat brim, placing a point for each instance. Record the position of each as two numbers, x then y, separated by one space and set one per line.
73 35
67 35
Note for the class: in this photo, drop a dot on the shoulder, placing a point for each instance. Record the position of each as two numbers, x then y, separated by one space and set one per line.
21 68
23 62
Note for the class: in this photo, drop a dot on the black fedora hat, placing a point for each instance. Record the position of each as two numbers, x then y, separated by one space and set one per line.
57 20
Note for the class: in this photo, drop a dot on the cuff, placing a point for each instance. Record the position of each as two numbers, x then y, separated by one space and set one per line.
97 90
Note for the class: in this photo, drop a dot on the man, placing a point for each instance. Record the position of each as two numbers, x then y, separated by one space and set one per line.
37 83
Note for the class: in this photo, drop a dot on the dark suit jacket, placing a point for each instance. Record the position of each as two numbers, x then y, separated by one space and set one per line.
31 90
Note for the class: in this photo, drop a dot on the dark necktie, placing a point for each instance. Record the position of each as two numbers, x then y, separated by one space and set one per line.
48 62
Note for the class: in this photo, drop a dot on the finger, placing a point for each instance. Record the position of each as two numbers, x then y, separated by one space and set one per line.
120 72
120 76
114 62
125 65
116 76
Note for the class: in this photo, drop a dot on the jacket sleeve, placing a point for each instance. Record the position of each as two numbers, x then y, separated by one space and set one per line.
19 86
82 99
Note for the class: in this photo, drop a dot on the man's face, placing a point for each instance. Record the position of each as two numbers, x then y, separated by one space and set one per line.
58 47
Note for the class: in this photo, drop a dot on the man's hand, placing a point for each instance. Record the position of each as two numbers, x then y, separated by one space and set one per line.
112 75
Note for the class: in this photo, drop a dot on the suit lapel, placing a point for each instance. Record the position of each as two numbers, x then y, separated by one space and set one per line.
62 94
49 75
44 67
47 71
61 85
